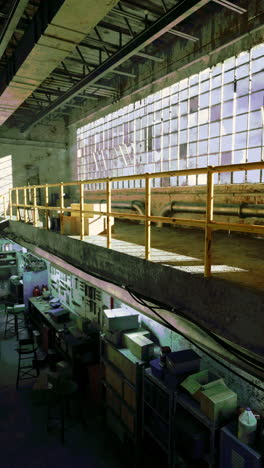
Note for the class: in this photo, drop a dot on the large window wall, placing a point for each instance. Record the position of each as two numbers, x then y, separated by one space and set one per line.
212 118
6 180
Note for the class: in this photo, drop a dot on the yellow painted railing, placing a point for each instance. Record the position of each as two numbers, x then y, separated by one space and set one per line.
208 224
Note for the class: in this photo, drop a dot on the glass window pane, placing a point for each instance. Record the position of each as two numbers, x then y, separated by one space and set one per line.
215 129
215 96
194 104
242 86
227 143
241 140
257 82
184 107
254 154
203 116
183 94
204 100
242 105
204 86
214 145
228 91
215 113
192 149
227 126
256 100
193 119
229 76
241 122
203 131
203 147
255 137
228 108
193 132
242 71
253 177
255 120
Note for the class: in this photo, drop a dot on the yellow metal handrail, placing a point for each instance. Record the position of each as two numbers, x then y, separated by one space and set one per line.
208 224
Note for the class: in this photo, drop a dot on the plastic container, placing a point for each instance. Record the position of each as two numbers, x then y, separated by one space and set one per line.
247 425
156 368
36 291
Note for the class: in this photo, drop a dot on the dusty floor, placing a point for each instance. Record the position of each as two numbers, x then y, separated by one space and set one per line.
235 257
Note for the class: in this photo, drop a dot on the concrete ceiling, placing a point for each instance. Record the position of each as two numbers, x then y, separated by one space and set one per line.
59 36
60 54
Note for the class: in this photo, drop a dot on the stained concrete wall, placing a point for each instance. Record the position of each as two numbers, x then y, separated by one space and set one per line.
42 154
229 310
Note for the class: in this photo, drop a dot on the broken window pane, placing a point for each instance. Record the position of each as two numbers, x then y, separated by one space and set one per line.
215 112
183 151
194 104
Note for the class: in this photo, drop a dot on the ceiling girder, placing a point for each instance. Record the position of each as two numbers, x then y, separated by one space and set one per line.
17 10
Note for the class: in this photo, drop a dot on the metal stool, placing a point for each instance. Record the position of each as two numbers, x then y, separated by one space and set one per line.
15 320
27 353
60 395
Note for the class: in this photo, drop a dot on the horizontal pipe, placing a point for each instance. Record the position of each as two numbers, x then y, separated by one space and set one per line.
242 210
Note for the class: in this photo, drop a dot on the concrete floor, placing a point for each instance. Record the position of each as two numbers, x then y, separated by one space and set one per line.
236 258
24 440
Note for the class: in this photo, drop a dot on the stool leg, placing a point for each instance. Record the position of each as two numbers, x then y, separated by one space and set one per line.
62 419
16 327
6 323
18 372
36 363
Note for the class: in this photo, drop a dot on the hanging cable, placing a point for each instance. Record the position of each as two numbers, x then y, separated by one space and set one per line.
223 344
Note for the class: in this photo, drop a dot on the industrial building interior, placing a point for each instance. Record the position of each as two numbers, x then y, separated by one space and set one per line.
131 233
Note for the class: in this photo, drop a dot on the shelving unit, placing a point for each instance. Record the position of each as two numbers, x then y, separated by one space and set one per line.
158 413
8 259
161 406
122 391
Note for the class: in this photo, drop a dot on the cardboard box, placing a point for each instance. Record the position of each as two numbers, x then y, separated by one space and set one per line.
194 383
120 319
113 401
183 362
116 337
140 346
128 419
87 207
70 225
114 423
132 334
219 406
129 365
129 395
124 364
113 379
113 356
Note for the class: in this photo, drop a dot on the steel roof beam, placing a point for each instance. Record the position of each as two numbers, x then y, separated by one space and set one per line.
173 17
11 24
127 16
231 6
